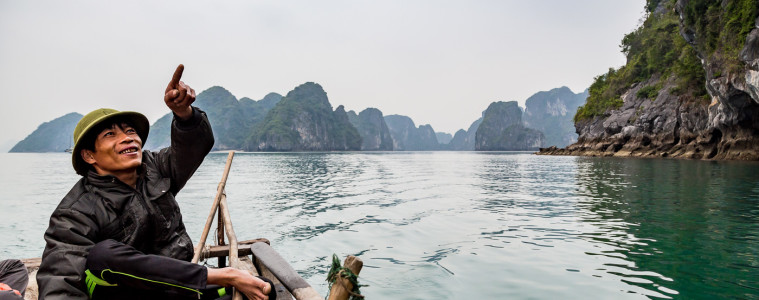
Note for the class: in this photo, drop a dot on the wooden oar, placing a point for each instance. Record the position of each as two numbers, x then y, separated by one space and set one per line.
214 207
300 289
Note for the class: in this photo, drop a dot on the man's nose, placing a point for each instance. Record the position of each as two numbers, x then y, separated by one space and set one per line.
125 138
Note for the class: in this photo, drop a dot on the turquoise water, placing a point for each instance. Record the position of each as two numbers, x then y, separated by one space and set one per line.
461 225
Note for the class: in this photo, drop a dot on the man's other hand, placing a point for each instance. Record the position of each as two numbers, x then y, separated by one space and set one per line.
253 287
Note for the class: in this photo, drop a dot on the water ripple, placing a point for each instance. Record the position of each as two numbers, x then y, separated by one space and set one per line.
538 227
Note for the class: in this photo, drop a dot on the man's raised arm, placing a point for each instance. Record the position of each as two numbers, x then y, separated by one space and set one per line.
191 134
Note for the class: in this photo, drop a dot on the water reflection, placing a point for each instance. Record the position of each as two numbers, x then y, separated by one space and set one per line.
684 228
511 179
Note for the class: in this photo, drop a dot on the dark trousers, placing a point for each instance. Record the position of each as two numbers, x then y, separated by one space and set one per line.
118 271
13 273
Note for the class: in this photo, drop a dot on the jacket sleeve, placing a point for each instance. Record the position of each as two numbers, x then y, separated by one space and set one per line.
191 140
69 238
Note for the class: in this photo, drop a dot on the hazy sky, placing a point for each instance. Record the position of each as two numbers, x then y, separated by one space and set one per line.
439 62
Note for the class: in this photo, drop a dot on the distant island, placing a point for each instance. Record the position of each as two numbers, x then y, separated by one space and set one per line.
502 129
371 125
689 89
54 136
304 120
552 112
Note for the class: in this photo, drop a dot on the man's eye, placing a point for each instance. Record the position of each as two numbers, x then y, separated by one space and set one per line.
130 130
109 133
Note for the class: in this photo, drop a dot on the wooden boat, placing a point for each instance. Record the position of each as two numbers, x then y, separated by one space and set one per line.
255 256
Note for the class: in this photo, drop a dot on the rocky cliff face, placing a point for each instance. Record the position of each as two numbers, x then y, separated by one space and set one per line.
427 138
502 130
551 112
443 137
371 126
255 111
669 124
304 121
463 140
53 136
407 137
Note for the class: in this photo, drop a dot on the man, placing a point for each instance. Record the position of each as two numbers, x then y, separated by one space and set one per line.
118 234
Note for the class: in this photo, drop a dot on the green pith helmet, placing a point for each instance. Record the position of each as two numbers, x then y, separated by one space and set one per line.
92 119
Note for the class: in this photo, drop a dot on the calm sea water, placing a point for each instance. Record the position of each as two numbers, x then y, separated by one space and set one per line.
463 225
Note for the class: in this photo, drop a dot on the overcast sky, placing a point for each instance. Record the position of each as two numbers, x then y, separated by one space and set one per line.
439 62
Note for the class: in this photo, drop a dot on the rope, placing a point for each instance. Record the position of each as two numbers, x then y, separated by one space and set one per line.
339 272
205 253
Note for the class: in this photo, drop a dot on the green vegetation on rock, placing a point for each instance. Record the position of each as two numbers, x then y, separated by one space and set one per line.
722 27
374 132
656 48
649 91
231 120
304 121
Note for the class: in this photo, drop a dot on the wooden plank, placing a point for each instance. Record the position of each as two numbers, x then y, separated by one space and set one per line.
243 248
32 263
282 270
253 241
282 292
32 291
32 266
246 264
243 263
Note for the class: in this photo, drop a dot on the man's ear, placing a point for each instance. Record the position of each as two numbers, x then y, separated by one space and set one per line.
88 156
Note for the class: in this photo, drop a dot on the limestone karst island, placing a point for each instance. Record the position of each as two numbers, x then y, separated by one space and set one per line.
690 89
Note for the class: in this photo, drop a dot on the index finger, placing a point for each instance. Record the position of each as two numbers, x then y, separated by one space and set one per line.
177 76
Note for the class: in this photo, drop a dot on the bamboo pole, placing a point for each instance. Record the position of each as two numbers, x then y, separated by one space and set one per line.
220 239
234 260
214 206
342 287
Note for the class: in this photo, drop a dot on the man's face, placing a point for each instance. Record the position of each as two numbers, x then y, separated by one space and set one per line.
118 150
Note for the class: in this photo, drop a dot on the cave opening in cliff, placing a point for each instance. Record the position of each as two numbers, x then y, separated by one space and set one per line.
716 136
645 141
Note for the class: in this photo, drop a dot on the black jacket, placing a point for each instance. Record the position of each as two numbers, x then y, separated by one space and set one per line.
102 207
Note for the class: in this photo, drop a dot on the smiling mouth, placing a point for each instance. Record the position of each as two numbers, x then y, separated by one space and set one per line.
128 150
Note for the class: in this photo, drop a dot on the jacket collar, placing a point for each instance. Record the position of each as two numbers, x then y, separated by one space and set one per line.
110 181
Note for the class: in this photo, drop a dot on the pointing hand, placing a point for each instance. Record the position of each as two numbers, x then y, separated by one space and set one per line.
179 96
